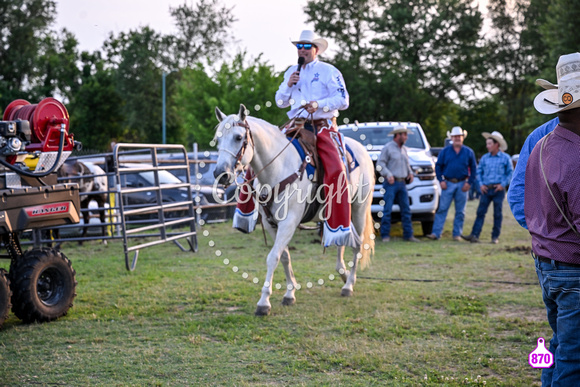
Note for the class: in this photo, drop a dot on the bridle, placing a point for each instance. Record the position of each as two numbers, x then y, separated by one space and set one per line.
247 139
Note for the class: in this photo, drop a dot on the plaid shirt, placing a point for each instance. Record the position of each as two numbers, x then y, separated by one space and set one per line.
496 169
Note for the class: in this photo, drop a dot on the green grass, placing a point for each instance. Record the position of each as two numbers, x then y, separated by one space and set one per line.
435 313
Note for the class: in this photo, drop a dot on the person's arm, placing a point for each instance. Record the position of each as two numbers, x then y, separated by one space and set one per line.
382 163
338 98
479 170
284 91
440 165
516 190
509 170
472 167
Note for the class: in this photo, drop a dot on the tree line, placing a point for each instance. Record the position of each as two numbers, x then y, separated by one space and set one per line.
437 62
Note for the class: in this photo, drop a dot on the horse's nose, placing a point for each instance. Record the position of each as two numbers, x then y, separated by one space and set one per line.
223 177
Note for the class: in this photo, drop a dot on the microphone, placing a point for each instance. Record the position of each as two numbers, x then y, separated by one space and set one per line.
300 63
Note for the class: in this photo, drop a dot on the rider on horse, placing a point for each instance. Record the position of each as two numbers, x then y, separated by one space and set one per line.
316 91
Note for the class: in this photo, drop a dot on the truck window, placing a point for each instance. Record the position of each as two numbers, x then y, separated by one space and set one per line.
379 136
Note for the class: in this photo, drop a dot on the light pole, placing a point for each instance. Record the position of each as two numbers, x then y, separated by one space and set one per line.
163 76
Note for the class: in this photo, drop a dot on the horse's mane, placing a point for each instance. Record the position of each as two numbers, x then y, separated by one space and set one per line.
225 125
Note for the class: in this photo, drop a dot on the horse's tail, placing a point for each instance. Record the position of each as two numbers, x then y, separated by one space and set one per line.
368 240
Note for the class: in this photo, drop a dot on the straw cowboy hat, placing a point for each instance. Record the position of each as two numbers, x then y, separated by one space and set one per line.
399 129
457 131
565 94
308 36
495 135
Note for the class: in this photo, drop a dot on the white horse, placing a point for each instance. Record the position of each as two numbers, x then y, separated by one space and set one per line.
247 140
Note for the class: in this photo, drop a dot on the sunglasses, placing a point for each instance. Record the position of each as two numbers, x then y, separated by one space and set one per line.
306 46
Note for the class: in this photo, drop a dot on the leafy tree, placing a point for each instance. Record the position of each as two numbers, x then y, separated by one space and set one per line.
23 23
134 56
56 71
96 109
202 32
198 94
411 58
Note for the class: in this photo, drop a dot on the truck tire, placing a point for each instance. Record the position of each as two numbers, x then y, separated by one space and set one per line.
4 296
427 227
43 285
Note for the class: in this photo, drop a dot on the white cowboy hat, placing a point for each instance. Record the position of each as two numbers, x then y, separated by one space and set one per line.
495 135
399 129
308 36
565 94
457 131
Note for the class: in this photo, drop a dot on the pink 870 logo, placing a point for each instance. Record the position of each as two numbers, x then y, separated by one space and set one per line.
541 357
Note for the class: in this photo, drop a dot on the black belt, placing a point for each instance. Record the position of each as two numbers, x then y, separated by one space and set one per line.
548 260
457 180
400 179
492 185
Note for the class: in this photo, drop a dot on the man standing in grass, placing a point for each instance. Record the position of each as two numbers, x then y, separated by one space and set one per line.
455 171
552 211
494 173
393 165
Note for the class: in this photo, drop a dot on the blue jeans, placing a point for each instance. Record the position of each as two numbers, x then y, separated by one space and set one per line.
453 192
561 293
396 190
486 199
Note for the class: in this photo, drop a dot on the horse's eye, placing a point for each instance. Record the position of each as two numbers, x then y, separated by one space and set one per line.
239 137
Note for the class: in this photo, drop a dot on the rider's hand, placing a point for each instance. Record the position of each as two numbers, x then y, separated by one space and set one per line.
311 107
465 187
294 78
443 185
391 179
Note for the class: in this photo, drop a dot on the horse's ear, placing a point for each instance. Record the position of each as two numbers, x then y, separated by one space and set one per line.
242 114
219 115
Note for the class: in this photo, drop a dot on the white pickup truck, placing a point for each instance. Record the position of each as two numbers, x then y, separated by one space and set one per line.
424 191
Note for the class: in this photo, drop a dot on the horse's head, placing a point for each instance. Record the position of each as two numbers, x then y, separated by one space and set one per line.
75 170
235 144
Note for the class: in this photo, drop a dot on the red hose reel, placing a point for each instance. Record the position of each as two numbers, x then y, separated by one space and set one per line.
46 119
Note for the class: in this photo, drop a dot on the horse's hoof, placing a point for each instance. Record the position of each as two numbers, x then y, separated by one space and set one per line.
346 293
288 301
262 311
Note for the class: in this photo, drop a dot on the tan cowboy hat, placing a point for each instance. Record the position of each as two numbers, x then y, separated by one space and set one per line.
565 94
457 131
308 36
399 129
495 135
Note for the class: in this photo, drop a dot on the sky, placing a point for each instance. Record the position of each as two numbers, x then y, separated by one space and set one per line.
263 26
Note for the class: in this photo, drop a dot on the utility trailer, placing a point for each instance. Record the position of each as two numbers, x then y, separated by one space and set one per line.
40 284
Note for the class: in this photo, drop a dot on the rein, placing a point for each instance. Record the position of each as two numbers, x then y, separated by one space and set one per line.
242 150
281 185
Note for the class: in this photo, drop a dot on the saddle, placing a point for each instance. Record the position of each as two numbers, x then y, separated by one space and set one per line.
307 139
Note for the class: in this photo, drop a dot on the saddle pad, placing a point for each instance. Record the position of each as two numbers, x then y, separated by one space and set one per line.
310 168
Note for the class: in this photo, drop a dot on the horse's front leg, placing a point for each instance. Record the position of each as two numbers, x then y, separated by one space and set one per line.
340 268
348 288
282 237
289 297
101 204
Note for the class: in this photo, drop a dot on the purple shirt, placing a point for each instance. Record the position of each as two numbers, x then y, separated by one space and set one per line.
551 236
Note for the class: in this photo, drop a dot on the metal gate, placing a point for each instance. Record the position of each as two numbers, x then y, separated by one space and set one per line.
143 203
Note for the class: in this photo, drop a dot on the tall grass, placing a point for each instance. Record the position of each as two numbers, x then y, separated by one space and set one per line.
434 313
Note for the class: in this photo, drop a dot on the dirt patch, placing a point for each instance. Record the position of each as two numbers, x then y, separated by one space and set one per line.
524 250
520 312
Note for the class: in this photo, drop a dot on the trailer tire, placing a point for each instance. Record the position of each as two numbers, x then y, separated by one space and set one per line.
43 285
5 295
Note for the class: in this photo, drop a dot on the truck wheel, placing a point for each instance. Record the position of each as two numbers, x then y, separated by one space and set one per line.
4 296
427 227
43 285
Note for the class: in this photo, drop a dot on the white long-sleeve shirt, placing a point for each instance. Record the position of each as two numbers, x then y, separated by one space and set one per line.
319 81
